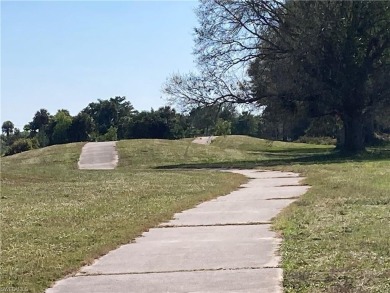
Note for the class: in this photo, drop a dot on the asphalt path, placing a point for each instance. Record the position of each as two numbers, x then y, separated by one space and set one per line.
223 245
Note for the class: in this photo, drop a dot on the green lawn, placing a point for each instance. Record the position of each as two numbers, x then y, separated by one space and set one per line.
56 218
337 236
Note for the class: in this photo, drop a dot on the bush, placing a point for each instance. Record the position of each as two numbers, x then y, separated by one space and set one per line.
20 145
111 134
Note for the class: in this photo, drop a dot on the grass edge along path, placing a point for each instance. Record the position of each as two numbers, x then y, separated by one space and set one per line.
336 237
57 218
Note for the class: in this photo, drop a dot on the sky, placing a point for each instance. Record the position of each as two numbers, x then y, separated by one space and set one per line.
67 54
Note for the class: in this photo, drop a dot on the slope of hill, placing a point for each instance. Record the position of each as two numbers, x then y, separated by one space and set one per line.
56 218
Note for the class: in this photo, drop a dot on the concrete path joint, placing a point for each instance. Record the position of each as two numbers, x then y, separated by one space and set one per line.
223 245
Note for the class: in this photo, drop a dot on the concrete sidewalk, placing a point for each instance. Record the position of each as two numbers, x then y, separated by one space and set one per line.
98 156
204 139
224 245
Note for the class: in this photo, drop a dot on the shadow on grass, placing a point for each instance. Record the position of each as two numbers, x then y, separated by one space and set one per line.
295 150
287 158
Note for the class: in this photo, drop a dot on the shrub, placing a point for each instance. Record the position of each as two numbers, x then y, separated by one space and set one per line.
20 145
111 134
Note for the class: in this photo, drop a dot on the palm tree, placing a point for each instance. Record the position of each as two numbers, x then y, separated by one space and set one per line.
7 128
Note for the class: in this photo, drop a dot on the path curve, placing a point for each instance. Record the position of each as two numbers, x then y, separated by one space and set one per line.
98 156
223 245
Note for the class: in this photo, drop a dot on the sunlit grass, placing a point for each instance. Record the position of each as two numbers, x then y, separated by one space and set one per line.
56 218
337 236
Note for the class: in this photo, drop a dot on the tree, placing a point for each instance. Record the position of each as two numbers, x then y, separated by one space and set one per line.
153 124
109 113
173 124
204 118
62 122
223 127
382 119
228 112
332 57
80 128
246 124
336 62
111 134
7 128
40 120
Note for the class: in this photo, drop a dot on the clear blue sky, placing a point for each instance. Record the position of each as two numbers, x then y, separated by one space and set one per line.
64 55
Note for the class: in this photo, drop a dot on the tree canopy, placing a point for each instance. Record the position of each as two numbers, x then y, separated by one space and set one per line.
327 57
7 127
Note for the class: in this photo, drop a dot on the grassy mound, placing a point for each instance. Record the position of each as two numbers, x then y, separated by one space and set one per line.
56 218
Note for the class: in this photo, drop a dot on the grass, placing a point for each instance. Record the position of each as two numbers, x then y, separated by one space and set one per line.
56 218
337 235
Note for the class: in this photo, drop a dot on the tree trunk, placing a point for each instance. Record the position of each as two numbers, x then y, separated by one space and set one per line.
353 132
369 129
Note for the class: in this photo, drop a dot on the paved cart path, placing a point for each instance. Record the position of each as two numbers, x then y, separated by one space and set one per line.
223 245
98 156
204 139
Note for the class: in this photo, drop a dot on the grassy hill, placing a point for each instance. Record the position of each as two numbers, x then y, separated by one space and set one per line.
56 218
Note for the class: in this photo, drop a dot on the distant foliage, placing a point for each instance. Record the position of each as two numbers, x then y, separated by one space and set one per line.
7 128
20 145
111 134
116 119
223 127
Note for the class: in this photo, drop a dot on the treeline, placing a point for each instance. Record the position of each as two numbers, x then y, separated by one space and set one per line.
116 118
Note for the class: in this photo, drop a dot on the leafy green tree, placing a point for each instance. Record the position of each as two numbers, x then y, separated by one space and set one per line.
174 125
245 124
17 133
42 139
81 127
125 125
62 122
333 55
150 125
107 113
228 112
204 118
7 128
111 134
223 127
334 72
40 120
